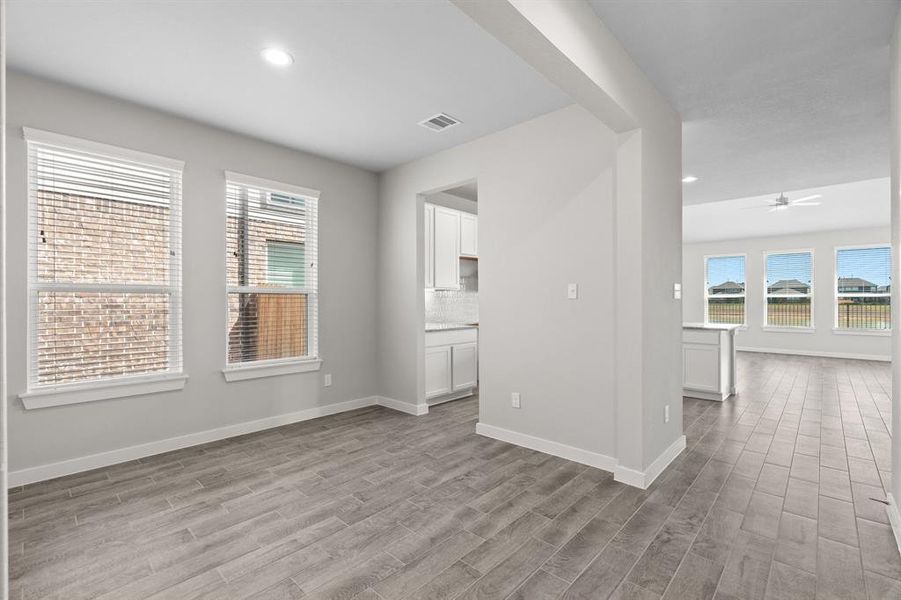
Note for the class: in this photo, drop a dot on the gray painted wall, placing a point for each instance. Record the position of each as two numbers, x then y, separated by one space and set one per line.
545 220
348 284
823 339
895 165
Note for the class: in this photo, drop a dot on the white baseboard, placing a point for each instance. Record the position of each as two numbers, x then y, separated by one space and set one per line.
585 457
894 518
642 479
120 455
405 407
819 354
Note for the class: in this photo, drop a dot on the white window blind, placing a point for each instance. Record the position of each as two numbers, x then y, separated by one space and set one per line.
272 271
724 290
104 278
863 288
789 289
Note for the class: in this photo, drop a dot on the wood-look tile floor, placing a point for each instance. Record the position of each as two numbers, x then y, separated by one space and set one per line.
778 496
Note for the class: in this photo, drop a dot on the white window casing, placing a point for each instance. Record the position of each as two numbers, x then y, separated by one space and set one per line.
789 283
104 271
714 266
272 278
862 289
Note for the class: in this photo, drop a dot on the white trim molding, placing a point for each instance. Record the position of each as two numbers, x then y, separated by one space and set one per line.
104 390
819 354
894 518
270 185
643 479
405 407
257 370
48 138
775 329
873 332
585 457
120 455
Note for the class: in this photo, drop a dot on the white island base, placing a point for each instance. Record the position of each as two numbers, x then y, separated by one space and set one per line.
708 361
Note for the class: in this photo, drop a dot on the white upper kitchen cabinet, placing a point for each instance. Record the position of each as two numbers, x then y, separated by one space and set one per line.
469 235
447 248
428 245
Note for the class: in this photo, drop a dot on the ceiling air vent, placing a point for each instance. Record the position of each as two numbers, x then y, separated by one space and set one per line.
439 122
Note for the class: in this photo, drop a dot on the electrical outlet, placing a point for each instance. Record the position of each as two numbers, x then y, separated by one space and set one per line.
515 400
666 414
327 379
572 291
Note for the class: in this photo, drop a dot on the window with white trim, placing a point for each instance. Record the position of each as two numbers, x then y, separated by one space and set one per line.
863 288
272 280
724 290
789 289
104 272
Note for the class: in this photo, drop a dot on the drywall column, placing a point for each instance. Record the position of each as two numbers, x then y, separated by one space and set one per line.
895 493
629 301
568 44
4 462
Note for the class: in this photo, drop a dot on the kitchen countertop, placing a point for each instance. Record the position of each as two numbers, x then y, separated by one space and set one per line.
449 326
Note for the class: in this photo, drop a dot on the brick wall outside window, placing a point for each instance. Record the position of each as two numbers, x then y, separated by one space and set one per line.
92 335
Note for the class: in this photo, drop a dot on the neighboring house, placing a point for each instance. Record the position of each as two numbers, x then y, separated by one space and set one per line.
849 285
789 287
727 287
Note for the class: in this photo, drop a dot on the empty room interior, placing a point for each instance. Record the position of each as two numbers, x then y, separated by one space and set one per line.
450 299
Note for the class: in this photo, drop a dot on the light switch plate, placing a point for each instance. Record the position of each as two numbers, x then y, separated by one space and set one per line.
677 291
515 400
327 380
572 291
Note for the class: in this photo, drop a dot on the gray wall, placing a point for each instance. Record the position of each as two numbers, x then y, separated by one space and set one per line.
545 220
895 165
823 340
348 284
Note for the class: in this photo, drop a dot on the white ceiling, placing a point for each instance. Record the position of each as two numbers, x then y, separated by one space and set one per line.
845 206
365 73
774 94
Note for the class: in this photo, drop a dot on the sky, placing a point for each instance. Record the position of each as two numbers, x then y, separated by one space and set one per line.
872 264
725 268
797 265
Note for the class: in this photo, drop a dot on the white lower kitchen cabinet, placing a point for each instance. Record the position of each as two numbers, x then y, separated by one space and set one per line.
438 370
451 364
465 366
708 361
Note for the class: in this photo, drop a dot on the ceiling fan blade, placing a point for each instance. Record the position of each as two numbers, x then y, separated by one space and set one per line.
814 196
805 204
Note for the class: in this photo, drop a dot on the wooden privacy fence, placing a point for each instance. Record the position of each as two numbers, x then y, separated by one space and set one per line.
282 326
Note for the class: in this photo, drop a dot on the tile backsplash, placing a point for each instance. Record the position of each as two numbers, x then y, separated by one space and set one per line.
455 306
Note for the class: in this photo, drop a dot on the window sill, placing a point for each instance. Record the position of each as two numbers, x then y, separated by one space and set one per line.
78 393
788 329
270 369
876 332
738 328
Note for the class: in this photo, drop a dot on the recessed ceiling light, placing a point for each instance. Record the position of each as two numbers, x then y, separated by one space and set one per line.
689 179
277 57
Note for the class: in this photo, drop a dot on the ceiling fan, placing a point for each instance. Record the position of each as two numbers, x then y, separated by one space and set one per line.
783 203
